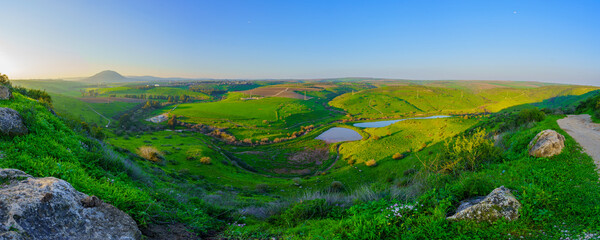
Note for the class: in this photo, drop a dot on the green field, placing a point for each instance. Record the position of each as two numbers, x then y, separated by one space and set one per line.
159 91
402 101
270 117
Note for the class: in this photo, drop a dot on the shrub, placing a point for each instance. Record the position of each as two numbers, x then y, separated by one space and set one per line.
398 156
297 181
337 186
150 153
469 152
351 161
530 115
371 163
310 209
205 160
262 188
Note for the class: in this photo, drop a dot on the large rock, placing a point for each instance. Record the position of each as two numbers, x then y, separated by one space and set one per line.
5 93
50 208
11 122
547 143
500 203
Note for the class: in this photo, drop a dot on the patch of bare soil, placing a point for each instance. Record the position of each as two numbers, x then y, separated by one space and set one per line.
585 132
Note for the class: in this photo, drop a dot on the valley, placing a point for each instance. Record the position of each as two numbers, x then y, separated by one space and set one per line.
252 151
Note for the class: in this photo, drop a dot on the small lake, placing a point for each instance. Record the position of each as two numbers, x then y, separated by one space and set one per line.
339 134
379 124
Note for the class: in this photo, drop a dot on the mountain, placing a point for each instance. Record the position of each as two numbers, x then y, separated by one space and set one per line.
107 76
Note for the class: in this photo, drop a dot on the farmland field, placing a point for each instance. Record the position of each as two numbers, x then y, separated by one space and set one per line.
255 119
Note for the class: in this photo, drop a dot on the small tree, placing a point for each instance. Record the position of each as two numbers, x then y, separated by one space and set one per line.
172 122
4 80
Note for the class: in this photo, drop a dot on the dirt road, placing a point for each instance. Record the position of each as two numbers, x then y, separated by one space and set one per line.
585 132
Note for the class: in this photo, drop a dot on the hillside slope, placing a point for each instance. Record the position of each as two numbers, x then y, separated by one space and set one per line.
52 148
411 100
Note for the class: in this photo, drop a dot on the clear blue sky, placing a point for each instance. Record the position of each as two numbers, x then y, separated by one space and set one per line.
555 41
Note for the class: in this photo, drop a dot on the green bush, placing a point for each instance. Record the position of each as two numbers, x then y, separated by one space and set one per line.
310 209
468 152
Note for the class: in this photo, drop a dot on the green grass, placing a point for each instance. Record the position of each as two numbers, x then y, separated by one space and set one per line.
74 107
51 148
161 91
255 119
558 197
176 147
401 101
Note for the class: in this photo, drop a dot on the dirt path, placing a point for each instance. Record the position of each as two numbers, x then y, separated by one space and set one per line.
108 119
585 132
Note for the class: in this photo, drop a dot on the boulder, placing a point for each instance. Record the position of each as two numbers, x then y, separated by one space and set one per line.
500 203
50 208
5 93
11 122
547 143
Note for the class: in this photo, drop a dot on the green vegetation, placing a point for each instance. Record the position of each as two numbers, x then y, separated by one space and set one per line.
402 101
235 166
254 119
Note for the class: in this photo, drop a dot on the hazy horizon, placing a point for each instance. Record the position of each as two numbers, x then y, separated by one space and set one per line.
438 40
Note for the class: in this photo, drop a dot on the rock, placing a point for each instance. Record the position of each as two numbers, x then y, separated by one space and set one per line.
11 122
50 208
547 143
5 93
500 203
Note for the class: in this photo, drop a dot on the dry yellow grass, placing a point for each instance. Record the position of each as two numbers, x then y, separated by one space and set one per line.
205 160
371 163
150 153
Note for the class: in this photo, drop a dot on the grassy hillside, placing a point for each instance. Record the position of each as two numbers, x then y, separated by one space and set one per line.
53 149
400 101
254 119
558 197
160 91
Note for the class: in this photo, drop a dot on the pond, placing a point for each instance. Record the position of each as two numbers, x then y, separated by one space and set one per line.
379 124
339 134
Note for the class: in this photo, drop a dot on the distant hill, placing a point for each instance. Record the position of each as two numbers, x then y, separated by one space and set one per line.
107 76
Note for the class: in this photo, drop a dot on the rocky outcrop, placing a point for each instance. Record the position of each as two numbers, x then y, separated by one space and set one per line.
5 93
547 143
500 203
11 122
50 208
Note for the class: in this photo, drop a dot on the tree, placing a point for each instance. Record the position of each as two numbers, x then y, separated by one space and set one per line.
172 122
4 80
170 99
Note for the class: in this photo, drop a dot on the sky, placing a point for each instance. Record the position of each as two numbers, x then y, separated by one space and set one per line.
551 41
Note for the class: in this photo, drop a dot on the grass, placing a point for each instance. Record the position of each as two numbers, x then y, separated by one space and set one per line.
74 107
412 100
160 91
254 119
558 195
52 149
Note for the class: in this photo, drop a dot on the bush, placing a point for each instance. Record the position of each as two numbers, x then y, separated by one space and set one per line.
150 153
262 188
398 156
469 152
297 181
310 209
337 186
351 161
205 160
530 115
371 163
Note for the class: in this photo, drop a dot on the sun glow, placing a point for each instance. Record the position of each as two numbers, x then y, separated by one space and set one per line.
6 66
